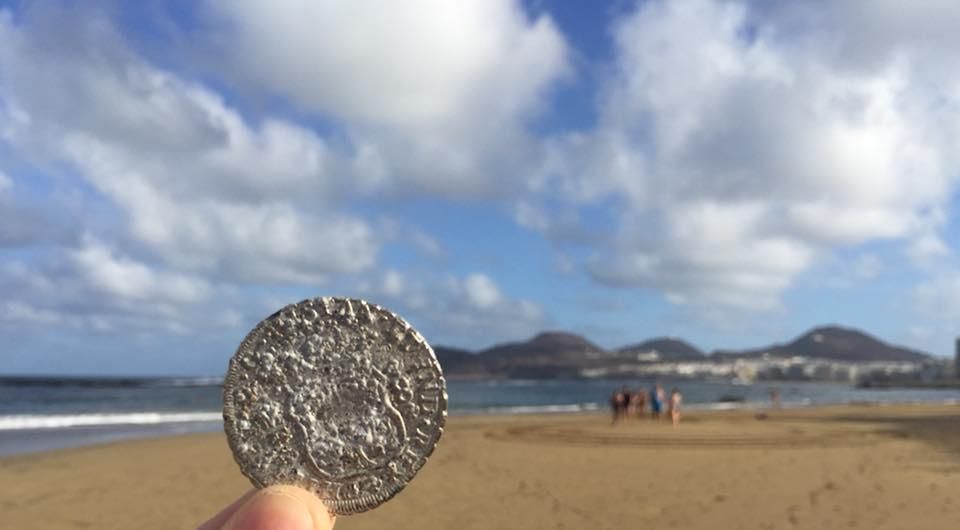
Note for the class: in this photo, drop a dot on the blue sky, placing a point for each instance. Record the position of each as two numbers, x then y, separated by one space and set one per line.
730 172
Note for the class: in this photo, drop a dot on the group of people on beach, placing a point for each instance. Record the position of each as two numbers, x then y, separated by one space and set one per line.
626 403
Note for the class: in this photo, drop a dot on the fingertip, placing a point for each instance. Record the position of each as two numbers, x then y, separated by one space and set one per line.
218 521
282 508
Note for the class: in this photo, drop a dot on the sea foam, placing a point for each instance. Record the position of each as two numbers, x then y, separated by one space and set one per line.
61 421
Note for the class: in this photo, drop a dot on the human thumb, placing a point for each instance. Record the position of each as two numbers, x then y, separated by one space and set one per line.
281 508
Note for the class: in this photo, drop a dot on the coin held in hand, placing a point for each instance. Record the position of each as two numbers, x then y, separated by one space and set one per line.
338 396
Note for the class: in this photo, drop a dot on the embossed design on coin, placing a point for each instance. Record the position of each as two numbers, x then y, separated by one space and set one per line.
338 396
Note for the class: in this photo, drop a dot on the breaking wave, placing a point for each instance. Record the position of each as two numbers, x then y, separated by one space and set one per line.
62 421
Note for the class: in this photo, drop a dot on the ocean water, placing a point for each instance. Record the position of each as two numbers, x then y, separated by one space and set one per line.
40 415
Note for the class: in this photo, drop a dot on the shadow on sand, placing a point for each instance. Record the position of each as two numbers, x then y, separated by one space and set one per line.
940 430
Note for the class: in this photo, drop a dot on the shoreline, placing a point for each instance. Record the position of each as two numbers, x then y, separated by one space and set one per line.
835 466
41 429
139 433
545 416
945 384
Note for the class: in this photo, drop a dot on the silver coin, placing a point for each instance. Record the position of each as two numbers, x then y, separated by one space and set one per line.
335 395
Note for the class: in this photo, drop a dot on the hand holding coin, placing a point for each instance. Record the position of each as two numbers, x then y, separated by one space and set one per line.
337 397
277 507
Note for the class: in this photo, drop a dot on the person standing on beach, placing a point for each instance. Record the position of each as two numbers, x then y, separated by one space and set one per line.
639 402
617 404
625 409
656 402
775 398
675 399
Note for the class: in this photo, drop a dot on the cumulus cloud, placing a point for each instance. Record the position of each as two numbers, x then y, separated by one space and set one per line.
739 150
470 310
560 225
432 94
927 249
96 288
481 292
205 198
401 232
417 63
709 254
393 283
202 187
736 145
122 277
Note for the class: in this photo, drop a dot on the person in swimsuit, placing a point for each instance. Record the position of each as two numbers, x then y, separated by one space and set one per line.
639 402
617 404
656 402
675 399
625 410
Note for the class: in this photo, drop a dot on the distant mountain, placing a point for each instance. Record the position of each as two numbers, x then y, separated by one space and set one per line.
547 346
665 348
831 342
456 360
558 354
549 354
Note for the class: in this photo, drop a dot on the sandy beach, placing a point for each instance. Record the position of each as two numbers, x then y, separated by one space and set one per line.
893 467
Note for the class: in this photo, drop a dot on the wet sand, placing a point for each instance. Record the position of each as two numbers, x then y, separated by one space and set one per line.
868 467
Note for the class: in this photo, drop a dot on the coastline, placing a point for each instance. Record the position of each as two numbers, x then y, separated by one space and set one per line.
944 384
30 434
43 417
819 467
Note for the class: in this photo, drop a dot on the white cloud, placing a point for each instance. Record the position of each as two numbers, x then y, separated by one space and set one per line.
476 309
204 188
529 216
736 145
420 63
407 234
480 291
737 151
927 248
20 312
710 254
96 288
432 94
465 311
393 283
426 244
214 199
122 277
561 226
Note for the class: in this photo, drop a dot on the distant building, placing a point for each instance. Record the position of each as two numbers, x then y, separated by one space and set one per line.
648 356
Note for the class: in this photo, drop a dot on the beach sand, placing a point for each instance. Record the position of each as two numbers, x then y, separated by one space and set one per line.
867 467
